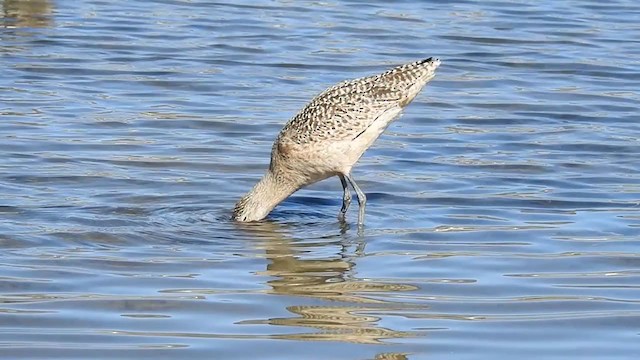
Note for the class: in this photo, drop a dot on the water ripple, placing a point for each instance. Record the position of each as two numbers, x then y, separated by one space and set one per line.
502 206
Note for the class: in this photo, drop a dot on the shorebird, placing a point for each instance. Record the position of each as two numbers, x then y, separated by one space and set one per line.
330 134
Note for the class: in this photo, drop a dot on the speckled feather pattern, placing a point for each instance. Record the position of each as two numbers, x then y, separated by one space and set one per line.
343 111
330 134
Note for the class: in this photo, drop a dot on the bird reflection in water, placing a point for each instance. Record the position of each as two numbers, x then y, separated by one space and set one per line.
297 274
24 14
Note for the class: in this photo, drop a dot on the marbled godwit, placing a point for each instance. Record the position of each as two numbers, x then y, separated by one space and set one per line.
330 134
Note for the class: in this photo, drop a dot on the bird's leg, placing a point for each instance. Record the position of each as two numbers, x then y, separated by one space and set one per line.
346 197
362 199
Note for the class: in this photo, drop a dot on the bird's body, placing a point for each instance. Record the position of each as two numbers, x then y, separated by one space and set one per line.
330 134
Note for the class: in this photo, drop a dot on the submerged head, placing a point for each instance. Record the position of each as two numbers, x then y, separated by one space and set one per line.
263 197
249 208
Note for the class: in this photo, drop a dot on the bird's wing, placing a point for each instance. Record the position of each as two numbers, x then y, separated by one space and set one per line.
347 109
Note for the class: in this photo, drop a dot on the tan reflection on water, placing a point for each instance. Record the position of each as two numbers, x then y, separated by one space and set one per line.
330 280
26 13
391 356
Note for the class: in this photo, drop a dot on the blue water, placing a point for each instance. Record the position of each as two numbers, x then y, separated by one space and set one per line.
504 205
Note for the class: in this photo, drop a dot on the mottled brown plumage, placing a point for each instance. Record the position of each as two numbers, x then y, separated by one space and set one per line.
330 134
351 106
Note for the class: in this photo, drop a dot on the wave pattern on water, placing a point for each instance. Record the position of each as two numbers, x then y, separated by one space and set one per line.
503 211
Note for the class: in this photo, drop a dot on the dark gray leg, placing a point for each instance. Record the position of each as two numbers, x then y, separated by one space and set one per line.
362 199
346 198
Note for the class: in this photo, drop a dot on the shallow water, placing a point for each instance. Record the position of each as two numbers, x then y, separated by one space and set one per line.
504 206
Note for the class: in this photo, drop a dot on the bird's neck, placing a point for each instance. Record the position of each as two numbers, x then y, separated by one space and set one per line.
262 198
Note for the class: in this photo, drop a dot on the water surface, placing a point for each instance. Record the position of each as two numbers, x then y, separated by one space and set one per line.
504 206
